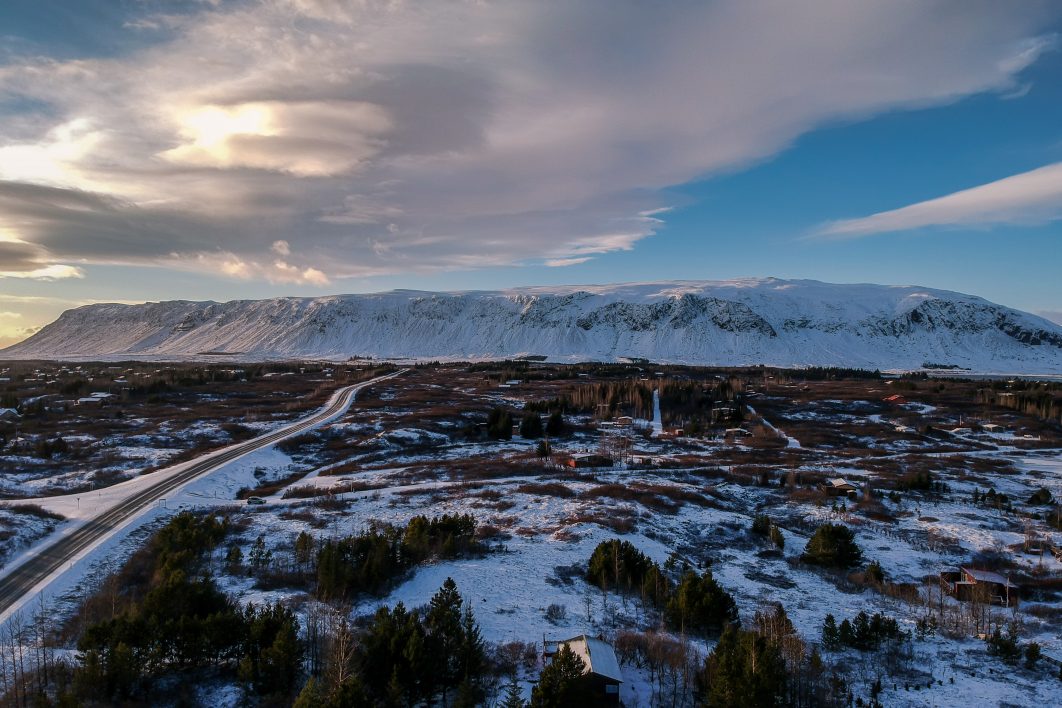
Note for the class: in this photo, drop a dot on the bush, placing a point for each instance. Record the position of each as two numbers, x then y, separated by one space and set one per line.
1032 655
1041 497
1005 646
556 613
833 546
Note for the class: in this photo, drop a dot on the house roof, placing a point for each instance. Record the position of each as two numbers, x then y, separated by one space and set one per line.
987 576
839 482
599 656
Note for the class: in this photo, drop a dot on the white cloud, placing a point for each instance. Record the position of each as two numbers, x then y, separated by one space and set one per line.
386 137
281 248
1028 198
563 262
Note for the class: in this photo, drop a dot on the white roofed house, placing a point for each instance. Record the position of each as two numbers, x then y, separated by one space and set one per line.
602 670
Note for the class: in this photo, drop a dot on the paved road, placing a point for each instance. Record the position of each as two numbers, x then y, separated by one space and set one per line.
23 578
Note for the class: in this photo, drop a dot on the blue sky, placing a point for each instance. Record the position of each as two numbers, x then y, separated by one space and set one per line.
156 150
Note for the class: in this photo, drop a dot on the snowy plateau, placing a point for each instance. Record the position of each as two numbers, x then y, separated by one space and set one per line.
791 323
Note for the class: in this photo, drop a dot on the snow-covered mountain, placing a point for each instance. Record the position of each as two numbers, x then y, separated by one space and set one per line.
755 321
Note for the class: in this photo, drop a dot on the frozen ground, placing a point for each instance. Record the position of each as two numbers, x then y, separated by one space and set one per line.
412 449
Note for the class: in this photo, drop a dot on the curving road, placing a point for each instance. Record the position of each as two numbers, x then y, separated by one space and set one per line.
21 580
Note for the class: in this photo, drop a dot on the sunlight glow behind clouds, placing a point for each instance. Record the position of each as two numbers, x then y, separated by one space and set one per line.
400 137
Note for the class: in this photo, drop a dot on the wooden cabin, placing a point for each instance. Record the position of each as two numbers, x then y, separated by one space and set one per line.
974 584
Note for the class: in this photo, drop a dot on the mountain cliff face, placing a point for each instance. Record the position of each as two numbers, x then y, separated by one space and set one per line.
768 321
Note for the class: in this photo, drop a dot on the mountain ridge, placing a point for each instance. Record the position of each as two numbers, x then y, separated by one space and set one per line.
733 322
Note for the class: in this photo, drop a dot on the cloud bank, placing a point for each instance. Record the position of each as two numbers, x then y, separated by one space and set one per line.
385 137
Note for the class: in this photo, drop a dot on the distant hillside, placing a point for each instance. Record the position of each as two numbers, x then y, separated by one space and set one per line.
756 321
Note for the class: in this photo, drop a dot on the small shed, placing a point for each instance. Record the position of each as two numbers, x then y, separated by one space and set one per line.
602 670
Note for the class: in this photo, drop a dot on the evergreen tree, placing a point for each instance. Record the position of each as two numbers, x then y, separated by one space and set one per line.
472 655
445 634
311 695
500 424
699 604
561 684
555 426
834 546
512 698
744 670
531 426
831 636
845 634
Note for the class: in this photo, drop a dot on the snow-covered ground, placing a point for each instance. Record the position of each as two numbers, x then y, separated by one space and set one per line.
696 506
215 487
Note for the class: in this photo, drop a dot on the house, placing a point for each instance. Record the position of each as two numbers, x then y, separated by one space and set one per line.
9 414
601 670
992 428
839 487
103 396
974 584
904 429
583 460
624 420
896 399
90 401
737 433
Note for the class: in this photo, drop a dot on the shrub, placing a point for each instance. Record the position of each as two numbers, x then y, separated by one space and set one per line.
556 613
1005 646
1041 497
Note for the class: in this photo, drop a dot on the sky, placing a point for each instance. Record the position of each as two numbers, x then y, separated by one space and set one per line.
215 149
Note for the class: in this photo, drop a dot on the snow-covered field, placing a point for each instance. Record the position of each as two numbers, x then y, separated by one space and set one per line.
411 450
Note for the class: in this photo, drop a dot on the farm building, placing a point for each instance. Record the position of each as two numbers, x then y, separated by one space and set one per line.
602 670
984 585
